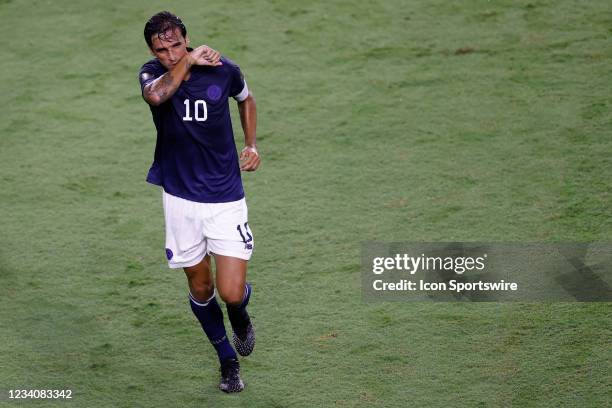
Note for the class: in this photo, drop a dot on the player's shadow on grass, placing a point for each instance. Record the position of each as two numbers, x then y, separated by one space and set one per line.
583 283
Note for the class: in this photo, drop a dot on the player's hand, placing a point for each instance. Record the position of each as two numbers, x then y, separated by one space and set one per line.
249 158
204 55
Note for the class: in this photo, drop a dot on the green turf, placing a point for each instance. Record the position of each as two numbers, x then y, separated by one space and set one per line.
381 120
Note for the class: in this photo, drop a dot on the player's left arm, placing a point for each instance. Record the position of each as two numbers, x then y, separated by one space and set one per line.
248 118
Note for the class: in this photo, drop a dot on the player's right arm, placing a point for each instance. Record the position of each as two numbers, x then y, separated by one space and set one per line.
162 88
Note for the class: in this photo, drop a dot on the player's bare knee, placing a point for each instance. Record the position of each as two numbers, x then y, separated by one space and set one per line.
232 296
202 291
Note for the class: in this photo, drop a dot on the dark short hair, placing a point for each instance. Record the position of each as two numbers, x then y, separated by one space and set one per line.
160 23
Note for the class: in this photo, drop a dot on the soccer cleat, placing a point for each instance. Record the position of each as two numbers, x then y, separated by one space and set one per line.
244 340
230 376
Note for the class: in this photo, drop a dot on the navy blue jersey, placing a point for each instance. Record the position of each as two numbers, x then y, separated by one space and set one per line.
195 154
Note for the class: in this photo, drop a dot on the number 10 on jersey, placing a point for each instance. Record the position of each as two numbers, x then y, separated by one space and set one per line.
200 112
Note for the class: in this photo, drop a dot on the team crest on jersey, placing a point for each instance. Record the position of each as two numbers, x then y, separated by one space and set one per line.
214 92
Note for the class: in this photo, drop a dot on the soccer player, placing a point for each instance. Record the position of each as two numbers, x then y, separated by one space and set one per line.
198 168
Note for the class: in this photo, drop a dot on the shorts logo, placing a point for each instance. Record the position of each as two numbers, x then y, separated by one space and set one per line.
169 253
248 239
214 92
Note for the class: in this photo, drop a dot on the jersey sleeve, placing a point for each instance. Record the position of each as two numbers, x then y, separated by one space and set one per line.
149 72
238 87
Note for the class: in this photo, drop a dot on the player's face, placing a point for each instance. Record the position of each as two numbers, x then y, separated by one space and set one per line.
169 47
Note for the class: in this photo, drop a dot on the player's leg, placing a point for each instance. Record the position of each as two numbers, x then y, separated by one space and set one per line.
200 281
208 312
186 248
231 278
206 308
236 293
230 240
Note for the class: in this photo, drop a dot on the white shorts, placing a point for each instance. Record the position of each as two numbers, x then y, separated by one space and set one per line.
195 229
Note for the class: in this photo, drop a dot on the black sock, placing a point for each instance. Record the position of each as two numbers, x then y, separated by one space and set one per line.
238 315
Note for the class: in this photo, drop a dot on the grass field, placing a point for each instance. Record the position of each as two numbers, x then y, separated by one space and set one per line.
381 120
